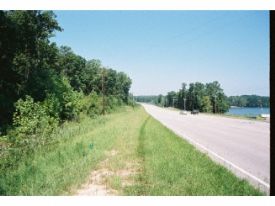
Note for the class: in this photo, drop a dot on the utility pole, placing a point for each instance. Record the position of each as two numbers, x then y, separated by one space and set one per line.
133 100
174 101
215 104
184 103
103 90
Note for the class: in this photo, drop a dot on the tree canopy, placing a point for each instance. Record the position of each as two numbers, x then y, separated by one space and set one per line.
198 96
33 65
207 97
249 101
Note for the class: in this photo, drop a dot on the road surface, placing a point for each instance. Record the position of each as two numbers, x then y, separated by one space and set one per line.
243 146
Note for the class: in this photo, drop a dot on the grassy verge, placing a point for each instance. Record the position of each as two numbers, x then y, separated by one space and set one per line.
171 166
140 156
67 165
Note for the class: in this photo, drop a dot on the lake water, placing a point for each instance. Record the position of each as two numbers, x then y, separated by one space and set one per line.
248 111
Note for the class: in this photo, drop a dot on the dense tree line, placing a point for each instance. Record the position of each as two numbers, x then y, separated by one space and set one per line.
147 98
207 97
32 65
249 101
42 85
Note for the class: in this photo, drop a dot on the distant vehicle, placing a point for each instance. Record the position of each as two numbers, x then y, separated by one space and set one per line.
195 111
184 112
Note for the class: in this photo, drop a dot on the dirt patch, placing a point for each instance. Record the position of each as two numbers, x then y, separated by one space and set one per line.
112 153
97 184
99 180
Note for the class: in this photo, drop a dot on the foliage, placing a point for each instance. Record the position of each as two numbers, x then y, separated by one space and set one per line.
147 99
91 105
42 86
71 106
217 97
203 97
171 99
32 65
26 55
249 101
206 104
32 124
91 77
72 66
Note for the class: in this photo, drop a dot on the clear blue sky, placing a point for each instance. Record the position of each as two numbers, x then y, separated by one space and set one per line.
161 49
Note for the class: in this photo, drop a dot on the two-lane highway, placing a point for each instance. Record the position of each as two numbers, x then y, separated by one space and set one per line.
240 145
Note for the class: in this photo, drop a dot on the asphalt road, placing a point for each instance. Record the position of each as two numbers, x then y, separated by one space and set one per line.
243 146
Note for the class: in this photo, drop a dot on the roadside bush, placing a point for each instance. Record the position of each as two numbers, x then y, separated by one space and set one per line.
91 105
62 100
71 106
32 124
112 102
52 105
133 103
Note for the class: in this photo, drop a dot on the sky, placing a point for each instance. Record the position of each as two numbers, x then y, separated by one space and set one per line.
160 50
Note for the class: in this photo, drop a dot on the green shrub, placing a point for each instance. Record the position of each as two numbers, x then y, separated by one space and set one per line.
71 106
62 100
133 103
32 124
52 105
94 105
112 102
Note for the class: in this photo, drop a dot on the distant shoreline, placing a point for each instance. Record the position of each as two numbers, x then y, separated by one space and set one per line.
247 107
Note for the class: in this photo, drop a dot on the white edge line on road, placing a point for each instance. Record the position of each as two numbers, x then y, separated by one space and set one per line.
228 162
219 157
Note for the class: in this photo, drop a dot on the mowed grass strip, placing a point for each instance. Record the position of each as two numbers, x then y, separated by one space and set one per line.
172 166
